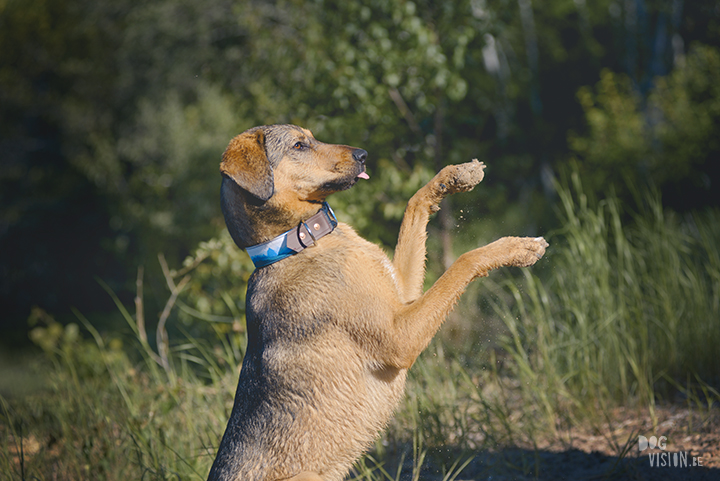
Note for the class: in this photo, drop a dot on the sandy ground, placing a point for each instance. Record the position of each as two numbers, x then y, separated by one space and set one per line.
692 452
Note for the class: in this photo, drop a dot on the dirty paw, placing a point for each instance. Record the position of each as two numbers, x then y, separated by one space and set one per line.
460 177
527 251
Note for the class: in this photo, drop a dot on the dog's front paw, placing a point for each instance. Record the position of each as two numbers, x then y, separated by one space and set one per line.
527 251
517 251
460 178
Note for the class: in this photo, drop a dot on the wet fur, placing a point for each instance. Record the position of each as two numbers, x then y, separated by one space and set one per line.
332 330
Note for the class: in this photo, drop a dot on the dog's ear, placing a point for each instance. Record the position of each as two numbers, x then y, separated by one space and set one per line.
245 162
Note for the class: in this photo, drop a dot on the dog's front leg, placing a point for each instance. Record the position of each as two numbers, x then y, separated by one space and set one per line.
409 259
415 324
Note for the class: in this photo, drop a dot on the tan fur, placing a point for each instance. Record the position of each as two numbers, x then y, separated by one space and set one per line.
332 330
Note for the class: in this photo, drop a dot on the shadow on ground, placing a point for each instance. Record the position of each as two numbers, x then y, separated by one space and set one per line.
514 464
521 465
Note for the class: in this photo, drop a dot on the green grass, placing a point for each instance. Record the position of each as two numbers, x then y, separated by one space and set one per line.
623 314
623 311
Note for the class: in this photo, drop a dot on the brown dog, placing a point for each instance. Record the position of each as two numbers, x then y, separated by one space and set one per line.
334 327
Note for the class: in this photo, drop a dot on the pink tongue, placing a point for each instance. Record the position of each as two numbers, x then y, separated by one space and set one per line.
363 175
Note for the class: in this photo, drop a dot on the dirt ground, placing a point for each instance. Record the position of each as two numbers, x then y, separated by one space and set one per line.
691 451
697 434
691 448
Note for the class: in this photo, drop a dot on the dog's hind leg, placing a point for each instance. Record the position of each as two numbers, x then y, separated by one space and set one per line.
409 258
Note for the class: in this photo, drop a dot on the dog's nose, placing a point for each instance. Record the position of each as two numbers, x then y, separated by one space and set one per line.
359 155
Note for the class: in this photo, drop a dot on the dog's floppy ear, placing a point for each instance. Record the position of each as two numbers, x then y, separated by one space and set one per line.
245 162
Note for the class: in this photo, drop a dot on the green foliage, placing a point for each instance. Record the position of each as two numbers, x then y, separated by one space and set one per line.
617 142
216 293
132 104
149 94
658 140
103 416
166 181
688 101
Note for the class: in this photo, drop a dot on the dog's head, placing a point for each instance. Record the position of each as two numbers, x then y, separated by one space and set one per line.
282 173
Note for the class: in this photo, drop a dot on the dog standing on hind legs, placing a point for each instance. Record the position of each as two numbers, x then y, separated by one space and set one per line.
333 325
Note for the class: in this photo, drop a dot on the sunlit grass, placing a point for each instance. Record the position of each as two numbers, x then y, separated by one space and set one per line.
624 313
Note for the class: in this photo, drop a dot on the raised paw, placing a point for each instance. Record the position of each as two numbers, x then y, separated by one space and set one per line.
459 178
527 251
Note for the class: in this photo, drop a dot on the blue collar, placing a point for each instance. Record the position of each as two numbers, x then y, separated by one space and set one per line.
295 240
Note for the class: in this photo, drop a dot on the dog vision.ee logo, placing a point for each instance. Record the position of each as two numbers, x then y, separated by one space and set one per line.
665 459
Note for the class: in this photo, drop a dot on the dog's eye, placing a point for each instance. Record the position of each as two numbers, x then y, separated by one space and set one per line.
299 146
